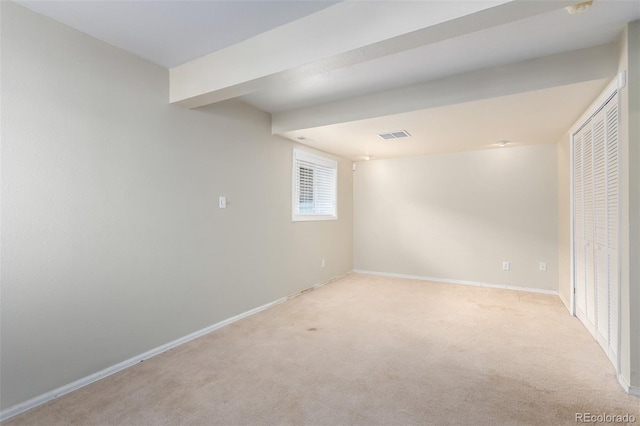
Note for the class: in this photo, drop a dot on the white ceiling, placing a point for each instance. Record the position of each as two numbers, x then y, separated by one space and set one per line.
172 32
399 50
541 35
530 118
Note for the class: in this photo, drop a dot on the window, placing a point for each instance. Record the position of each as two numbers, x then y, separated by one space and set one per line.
315 191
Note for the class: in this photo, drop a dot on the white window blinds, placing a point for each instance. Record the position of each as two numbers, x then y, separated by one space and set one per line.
314 187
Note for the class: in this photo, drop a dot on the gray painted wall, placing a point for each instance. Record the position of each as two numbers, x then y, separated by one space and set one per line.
112 240
634 200
564 219
458 216
630 202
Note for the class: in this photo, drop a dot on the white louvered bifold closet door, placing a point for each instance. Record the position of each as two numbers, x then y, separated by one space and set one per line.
587 175
613 217
578 228
595 226
601 273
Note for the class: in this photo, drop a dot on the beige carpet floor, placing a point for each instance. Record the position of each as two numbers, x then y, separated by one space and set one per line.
367 350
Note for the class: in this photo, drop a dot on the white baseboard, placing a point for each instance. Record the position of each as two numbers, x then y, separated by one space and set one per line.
564 302
316 286
461 282
48 396
631 390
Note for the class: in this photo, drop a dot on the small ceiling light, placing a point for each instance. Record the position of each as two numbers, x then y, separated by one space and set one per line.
579 7
367 157
502 144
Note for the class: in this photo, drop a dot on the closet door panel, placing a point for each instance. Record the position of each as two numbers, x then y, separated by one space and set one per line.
579 258
590 279
612 178
599 179
602 294
601 273
578 187
596 226
613 215
614 303
580 279
587 172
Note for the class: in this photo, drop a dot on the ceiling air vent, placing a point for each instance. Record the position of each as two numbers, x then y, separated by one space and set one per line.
399 134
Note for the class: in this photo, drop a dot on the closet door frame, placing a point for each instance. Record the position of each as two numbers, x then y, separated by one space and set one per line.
607 94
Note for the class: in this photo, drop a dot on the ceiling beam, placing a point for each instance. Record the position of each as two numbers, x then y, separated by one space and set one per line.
551 71
339 36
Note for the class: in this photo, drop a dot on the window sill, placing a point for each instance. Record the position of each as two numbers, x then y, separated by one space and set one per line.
311 218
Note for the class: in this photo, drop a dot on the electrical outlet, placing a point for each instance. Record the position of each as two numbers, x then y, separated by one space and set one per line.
322 263
543 266
506 265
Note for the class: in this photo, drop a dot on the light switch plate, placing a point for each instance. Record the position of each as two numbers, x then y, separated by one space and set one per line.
222 202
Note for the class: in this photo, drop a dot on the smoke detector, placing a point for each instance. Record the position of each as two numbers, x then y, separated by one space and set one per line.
579 7
398 134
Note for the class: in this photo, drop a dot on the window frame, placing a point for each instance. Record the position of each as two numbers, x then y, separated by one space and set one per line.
302 155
